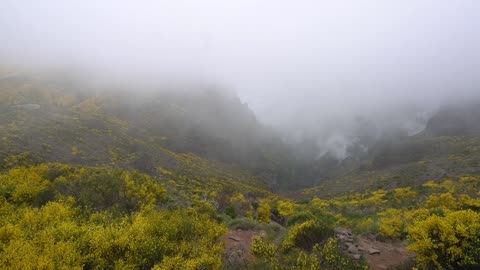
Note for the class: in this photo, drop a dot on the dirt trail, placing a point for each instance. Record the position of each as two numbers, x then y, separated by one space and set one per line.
391 255
379 255
238 245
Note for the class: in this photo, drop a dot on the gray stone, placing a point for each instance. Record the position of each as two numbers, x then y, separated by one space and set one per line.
344 231
351 248
30 107
343 237
356 256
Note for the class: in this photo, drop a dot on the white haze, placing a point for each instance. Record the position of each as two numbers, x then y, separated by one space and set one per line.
306 67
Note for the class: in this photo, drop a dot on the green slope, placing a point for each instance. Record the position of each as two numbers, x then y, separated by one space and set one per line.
408 163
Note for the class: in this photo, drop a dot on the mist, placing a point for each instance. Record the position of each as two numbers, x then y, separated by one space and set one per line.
308 68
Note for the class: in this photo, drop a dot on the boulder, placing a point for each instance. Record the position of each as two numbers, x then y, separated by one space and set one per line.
356 256
351 248
344 238
342 231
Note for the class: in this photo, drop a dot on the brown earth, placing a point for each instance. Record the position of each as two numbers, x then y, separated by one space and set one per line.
238 245
391 256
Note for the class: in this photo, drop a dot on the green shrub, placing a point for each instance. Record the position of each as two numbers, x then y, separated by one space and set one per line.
230 211
305 235
299 218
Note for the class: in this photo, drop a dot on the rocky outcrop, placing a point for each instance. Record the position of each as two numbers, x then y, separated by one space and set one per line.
455 120
345 238
347 241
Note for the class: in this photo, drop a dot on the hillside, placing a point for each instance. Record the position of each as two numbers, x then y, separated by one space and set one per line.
101 177
65 121
408 163
90 180
447 147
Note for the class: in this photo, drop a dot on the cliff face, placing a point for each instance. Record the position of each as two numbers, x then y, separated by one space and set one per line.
455 120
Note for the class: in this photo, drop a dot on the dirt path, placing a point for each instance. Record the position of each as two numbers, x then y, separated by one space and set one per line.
390 256
379 255
237 246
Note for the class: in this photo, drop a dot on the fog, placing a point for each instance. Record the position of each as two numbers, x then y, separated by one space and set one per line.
308 68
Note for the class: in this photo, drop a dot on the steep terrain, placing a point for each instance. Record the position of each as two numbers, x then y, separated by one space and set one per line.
447 147
184 177
64 121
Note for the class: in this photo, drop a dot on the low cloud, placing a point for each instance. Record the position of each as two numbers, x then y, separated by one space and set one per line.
308 68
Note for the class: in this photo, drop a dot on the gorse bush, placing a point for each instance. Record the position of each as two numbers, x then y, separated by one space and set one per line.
305 235
56 216
264 251
333 258
325 256
391 223
451 241
263 211
125 226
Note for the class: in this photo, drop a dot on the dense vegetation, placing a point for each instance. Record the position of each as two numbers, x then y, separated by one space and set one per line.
439 219
57 216
61 216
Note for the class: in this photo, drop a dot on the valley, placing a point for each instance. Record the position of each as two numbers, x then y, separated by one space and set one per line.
93 178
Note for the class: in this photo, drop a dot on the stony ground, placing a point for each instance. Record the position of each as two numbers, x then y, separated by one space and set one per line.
378 254
237 247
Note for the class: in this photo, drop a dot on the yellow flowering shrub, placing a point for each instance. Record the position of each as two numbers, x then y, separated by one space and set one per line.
444 200
305 235
285 208
23 185
452 241
263 213
333 258
101 219
319 203
391 223
404 195
265 251
307 261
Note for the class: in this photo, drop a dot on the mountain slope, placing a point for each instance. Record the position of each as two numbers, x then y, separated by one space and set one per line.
64 121
448 147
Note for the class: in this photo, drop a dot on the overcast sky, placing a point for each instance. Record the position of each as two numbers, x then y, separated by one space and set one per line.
289 60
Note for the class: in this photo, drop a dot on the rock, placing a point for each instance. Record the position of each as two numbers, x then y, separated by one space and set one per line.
234 239
351 248
381 266
344 238
235 256
343 235
344 231
30 107
356 256
361 249
372 251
